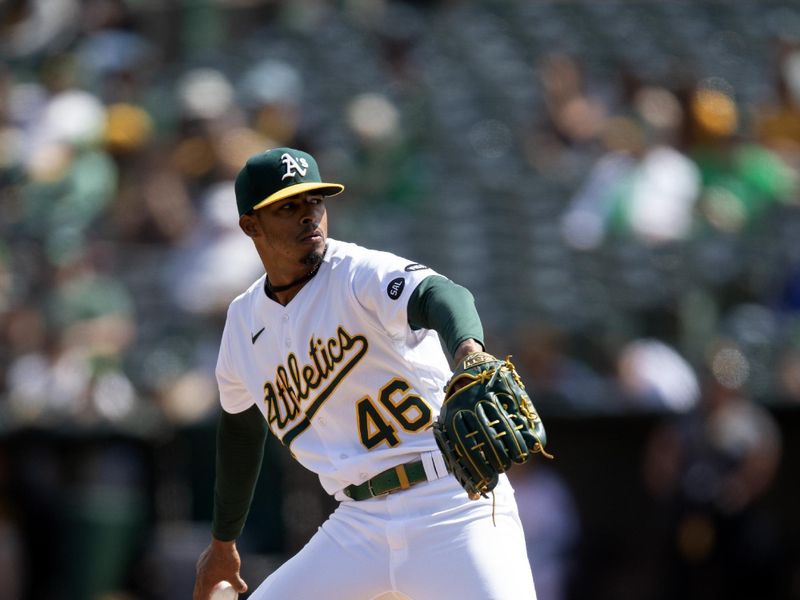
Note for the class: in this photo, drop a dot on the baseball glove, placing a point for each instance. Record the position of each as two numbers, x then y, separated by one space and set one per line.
487 423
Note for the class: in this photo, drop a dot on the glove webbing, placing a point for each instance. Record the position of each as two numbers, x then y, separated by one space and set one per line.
526 409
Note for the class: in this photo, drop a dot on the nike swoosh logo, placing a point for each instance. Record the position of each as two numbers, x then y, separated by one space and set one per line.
254 336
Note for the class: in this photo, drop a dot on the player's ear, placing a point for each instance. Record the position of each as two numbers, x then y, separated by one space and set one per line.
249 225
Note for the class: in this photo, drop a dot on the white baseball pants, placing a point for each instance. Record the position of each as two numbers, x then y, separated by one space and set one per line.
429 542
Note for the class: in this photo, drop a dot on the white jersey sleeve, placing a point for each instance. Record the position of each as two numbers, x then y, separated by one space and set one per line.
382 285
233 394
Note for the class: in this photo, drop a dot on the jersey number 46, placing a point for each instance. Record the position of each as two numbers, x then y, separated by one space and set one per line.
407 410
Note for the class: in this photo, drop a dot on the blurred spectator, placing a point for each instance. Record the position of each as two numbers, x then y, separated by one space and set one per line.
272 93
71 179
213 264
575 115
575 119
654 376
39 26
76 371
392 175
114 57
711 469
643 187
777 126
741 180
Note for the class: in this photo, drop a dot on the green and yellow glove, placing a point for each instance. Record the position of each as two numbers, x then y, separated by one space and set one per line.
487 423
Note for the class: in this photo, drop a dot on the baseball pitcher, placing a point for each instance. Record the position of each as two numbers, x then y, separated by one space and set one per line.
337 350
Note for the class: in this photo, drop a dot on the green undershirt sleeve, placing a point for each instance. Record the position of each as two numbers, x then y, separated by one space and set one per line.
240 450
446 307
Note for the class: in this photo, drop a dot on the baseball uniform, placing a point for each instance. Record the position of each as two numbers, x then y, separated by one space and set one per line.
351 389
341 358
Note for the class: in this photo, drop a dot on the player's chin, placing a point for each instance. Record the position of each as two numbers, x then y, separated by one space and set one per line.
314 255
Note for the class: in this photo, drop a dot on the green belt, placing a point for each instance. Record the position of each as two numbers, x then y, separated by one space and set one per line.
400 477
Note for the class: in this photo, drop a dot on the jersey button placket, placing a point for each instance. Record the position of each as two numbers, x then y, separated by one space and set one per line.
287 341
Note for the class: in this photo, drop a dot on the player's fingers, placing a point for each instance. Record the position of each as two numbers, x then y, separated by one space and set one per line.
201 591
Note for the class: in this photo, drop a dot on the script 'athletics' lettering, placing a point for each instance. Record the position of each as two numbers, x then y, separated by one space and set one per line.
294 385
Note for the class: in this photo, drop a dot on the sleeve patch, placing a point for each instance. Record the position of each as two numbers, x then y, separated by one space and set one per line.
415 267
395 288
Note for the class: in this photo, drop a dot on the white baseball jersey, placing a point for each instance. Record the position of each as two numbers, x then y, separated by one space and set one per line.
338 374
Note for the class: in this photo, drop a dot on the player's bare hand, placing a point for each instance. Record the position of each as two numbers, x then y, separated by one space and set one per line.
466 347
220 561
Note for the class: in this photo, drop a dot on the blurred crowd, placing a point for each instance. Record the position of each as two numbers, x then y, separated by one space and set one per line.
618 183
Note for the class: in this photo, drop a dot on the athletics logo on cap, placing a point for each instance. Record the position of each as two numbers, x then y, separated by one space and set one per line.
294 166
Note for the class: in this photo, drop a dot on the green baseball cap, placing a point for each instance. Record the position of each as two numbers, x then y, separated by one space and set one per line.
277 174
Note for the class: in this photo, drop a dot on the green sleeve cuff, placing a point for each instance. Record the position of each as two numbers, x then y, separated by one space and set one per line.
240 451
448 308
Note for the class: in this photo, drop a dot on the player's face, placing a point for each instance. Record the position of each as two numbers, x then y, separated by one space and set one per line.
293 230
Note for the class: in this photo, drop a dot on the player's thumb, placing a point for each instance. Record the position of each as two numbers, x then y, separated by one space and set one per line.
239 584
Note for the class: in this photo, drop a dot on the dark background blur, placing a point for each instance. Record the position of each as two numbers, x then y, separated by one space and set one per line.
616 182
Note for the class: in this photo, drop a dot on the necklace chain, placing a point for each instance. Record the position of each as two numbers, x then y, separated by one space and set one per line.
271 289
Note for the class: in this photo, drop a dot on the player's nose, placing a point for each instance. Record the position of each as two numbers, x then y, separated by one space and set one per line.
312 214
